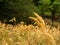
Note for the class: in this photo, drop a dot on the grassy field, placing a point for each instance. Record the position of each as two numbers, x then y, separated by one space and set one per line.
21 34
28 35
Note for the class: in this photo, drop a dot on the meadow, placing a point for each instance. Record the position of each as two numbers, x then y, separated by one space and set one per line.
22 34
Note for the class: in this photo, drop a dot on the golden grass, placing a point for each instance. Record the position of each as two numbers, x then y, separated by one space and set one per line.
27 35
22 34
40 22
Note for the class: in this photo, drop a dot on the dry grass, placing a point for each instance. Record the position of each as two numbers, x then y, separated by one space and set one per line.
40 22
29 35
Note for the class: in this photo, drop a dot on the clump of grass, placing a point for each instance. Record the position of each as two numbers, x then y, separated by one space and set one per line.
40 22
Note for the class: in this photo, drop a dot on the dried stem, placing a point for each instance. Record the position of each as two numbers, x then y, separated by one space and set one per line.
39 20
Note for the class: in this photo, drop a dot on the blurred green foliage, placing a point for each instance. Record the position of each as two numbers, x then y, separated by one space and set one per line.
46 6
22 9
19 9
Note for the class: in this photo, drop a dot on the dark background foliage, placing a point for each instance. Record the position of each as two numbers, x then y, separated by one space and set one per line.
22 9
